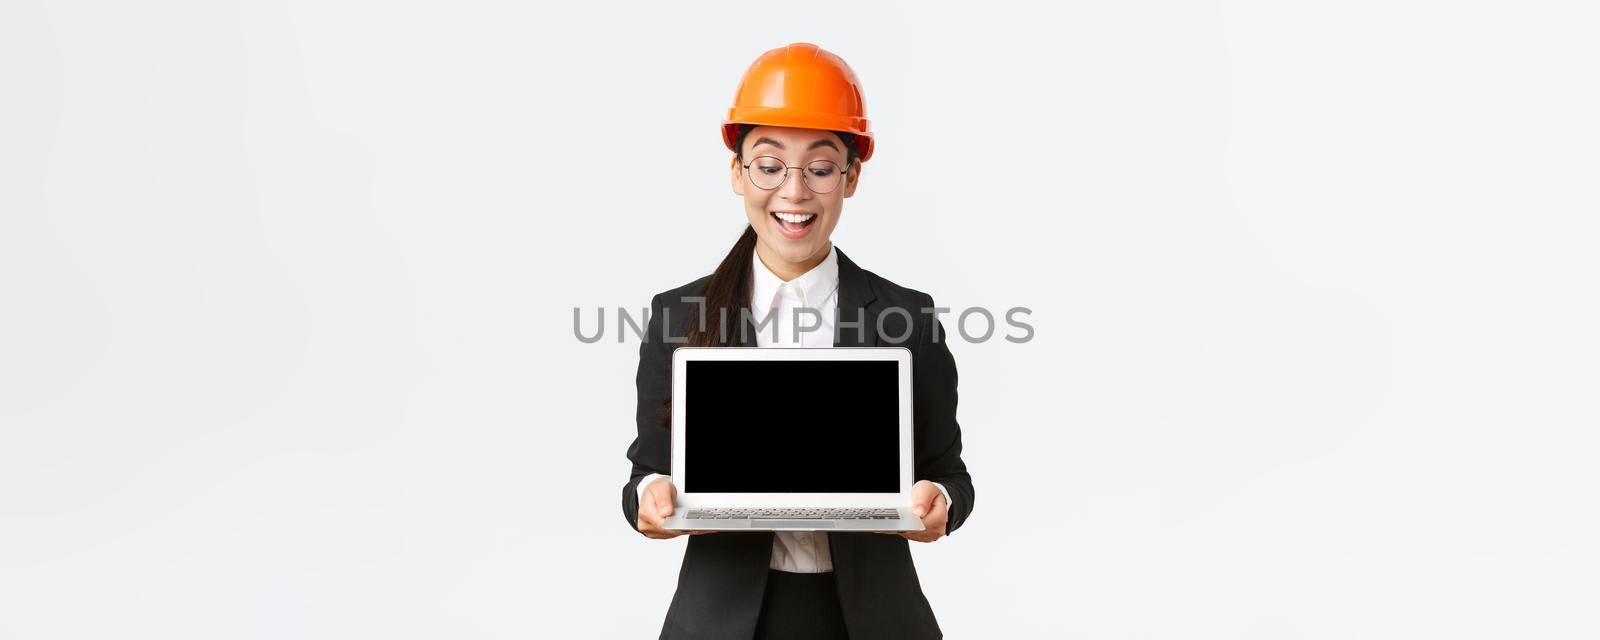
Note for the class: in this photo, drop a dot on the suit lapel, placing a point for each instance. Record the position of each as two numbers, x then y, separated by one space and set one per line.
857 325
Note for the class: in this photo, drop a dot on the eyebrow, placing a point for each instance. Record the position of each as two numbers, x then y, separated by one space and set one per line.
765 140
815 145
823 143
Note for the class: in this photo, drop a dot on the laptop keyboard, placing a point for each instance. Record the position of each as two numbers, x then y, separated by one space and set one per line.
794 514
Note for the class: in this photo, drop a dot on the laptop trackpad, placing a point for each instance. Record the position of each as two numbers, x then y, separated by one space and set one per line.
792 524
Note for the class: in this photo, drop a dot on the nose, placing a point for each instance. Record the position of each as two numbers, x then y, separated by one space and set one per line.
794 187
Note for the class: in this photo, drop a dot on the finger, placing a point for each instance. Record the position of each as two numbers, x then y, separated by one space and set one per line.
661 533
662 492
938 512
922 501
647 511
661 504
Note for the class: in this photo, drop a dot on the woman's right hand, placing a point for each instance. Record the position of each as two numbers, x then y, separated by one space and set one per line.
655 505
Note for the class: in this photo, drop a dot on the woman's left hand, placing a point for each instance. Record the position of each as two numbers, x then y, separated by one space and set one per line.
928 503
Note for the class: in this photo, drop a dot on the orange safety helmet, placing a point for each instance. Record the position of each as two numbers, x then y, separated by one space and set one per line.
800 86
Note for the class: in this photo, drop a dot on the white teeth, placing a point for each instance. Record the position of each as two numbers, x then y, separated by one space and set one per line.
794 218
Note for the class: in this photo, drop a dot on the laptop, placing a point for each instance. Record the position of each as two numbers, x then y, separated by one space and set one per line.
792 439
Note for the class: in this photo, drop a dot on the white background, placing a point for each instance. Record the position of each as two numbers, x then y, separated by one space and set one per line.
286 292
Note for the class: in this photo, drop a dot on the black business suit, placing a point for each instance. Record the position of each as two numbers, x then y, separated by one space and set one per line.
721 582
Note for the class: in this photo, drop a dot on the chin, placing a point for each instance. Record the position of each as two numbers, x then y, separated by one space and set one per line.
797 254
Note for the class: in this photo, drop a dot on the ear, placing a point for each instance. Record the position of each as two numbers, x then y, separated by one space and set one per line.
851 178
737 176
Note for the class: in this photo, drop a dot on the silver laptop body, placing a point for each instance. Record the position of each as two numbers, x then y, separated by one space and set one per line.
792 439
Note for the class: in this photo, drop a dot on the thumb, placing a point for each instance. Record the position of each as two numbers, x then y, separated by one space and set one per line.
647 502
663 497
924 500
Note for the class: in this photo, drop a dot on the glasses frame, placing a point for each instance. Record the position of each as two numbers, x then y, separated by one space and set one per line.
803 180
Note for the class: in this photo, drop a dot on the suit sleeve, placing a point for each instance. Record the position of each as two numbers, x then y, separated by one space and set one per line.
937 434
651 451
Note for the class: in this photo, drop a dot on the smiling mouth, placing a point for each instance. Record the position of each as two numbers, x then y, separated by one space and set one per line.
793 224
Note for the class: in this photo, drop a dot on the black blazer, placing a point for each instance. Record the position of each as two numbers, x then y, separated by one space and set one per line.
723 577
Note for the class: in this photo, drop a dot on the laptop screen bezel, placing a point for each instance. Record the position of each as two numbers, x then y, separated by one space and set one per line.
680 471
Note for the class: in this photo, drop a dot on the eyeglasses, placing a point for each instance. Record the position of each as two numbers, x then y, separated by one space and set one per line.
767 172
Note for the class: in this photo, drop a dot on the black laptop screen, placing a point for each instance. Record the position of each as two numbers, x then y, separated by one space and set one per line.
792 426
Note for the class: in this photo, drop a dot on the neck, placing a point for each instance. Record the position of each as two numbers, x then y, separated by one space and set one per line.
786 270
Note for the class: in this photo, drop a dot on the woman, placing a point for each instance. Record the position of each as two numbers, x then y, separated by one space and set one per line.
799 135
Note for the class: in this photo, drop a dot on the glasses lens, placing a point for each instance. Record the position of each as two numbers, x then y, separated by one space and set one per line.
767 172
823 176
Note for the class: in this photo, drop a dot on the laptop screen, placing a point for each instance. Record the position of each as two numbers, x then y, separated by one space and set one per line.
797 426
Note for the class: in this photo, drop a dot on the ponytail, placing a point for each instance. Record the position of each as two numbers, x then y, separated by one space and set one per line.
716 321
